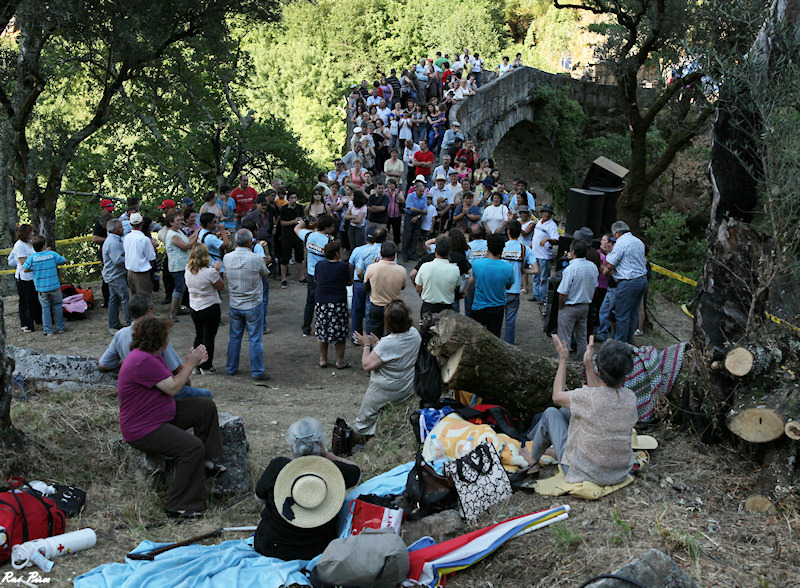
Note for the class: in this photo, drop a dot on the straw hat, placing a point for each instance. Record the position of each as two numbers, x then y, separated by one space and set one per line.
309 491
642 441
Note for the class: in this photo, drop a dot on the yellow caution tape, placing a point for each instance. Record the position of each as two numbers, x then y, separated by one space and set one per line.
686 311
782 322
664 271
61 266
82 239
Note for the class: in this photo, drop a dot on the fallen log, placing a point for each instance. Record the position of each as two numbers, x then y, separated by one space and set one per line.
473 359
775 478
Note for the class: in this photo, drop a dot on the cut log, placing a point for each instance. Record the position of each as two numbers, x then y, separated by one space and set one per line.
474 360
792 430
775 478
739 361
758 424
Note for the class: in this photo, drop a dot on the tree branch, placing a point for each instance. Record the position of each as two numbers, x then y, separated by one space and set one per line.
676 86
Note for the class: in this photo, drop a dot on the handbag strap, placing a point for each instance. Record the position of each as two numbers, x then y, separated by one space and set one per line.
484 465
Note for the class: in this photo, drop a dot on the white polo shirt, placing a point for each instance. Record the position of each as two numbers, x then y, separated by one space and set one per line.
139 252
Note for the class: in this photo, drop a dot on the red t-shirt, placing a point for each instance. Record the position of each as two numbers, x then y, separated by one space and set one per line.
472 157
420 156
245 199
142 407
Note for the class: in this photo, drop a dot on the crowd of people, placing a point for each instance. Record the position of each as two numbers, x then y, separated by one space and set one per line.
471 231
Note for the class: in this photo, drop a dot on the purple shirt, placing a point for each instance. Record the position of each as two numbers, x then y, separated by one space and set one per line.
142 407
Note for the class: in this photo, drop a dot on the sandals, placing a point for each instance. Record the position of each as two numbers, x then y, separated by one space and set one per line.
322 365
345 366
184 514
215 471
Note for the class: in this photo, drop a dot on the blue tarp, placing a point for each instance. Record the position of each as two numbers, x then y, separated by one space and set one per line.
231 563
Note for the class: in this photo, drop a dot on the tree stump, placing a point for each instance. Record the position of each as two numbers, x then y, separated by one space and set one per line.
473 359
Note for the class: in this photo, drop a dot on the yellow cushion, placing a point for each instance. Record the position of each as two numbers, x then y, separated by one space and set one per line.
558 485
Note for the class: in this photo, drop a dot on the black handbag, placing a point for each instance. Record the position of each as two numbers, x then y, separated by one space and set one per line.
68 499
427 491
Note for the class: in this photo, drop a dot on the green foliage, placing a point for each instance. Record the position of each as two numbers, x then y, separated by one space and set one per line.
564 537
552 35
305 63
617 147
673 247
562 118
625 528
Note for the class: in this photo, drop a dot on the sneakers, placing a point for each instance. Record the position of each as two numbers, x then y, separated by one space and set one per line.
266 331
303 281
208 372
638 332
27 330
284 285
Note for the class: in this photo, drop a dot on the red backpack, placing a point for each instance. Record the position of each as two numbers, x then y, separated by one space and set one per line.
26 515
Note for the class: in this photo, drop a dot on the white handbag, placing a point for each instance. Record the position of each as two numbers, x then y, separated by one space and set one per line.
481 481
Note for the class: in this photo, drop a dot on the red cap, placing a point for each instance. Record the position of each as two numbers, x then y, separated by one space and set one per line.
168 203
107 204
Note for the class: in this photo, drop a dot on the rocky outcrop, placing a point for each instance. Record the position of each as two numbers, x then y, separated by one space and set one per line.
59 372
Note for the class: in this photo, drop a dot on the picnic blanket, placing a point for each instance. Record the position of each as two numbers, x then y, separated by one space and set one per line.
653 376
231 563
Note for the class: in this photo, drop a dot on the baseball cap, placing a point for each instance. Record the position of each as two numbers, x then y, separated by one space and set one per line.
136 218
488 182
107 204
168 203
188 201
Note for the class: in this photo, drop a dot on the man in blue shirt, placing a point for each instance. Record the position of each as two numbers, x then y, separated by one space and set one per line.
490 278
416 209
216 247
315 242
519 256
467 211
44 265
359 258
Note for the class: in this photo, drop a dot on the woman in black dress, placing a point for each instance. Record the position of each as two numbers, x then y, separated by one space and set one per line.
333 277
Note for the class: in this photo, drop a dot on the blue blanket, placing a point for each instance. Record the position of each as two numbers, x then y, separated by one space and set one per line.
231 563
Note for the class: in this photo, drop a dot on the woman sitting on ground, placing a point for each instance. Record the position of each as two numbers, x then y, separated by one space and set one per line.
390 363
591 431
302 495
153 421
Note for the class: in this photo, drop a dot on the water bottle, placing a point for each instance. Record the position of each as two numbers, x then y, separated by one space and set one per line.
438 448
467 447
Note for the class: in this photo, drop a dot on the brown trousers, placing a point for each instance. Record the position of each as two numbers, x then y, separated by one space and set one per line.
191 451
140 282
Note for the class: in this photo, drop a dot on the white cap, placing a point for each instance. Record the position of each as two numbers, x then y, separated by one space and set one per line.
420 178
136 218
357 130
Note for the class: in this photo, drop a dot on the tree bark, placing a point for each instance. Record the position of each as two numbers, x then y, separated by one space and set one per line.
9 436
474 360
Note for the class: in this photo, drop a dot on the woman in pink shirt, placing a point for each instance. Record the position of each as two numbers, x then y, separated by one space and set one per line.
154 421
357 175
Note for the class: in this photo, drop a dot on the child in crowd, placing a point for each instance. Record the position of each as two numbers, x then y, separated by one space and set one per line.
44 265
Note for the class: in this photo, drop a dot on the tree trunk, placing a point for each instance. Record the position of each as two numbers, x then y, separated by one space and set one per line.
8 195
474 360
9 436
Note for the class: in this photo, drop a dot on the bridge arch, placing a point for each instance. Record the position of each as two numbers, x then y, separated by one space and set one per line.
501 119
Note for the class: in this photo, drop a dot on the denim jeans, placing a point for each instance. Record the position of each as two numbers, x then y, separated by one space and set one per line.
253 320
630 294
357 235
52 300
359 308
512 306
604 325
118 296
265 299
540 280
179 284
190 392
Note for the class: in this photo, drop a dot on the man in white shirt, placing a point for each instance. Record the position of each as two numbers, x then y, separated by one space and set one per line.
455 186
139 252
445 168
443 199
338 171
575 293
356 138
384 111
374 98
545 235
628 265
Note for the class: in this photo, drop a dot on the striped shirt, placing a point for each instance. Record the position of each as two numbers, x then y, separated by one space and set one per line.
45 269
243 272
628 258
578 281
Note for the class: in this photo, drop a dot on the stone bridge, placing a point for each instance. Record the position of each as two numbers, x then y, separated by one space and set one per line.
502 121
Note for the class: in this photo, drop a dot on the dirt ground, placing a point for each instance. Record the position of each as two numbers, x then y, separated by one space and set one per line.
688 502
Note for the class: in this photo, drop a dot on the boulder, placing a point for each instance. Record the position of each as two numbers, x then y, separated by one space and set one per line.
235 480
441 526
652 568
44 371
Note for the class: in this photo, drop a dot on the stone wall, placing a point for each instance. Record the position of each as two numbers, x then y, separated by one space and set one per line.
505 102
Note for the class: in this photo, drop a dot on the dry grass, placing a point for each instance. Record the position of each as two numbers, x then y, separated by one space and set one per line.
686 503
